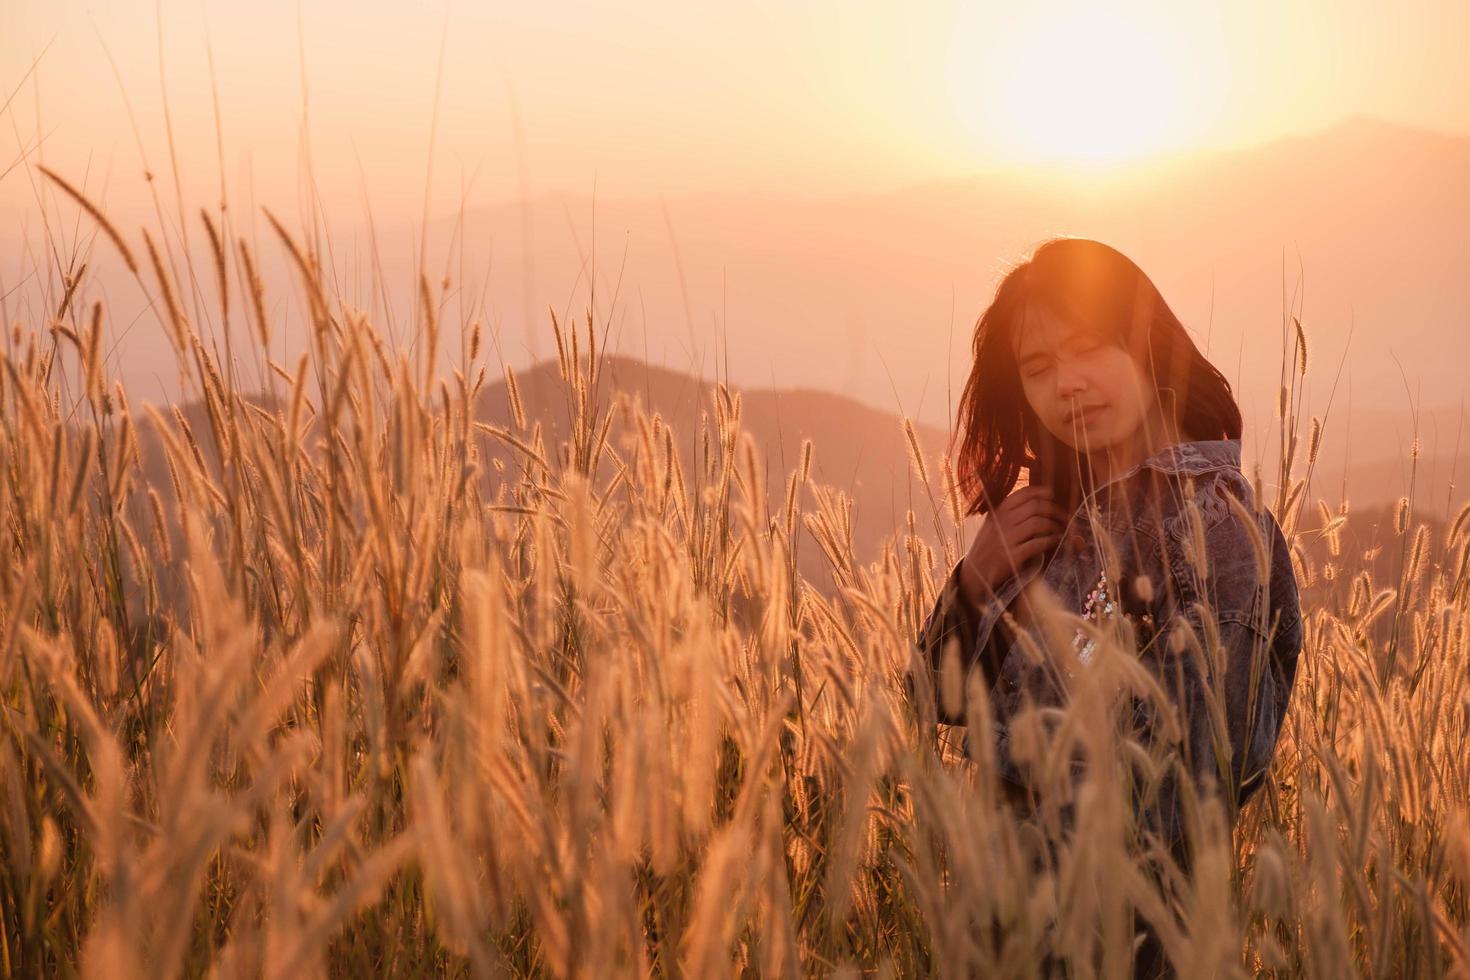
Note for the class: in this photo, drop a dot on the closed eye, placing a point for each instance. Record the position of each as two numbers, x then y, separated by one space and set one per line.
1032 366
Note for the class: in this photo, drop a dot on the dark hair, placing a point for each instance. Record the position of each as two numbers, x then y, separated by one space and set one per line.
1102 291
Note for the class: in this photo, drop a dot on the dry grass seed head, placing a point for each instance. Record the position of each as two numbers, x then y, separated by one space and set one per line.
96 215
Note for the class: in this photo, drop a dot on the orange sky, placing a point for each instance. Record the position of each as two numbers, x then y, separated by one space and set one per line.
677 98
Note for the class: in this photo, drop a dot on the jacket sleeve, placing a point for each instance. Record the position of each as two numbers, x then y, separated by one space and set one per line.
974 631
1228 651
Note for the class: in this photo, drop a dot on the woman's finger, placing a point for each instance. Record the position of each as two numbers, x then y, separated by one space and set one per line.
1031 519
1036 523
1026 497
1046 505
1035 546
1025 508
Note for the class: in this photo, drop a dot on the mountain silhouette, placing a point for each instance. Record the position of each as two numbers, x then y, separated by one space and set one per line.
859 450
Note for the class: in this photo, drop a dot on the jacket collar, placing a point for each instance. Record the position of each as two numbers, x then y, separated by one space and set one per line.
1193 458
1189 458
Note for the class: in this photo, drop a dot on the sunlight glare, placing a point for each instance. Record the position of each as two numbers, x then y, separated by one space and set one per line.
1091 88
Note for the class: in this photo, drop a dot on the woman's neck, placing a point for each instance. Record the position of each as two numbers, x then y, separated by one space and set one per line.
1156 432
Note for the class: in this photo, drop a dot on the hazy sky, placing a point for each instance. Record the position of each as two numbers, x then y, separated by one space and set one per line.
672 98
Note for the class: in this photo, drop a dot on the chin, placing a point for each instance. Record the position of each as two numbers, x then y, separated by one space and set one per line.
1096 441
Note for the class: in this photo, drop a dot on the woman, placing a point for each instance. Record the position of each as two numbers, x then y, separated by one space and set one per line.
1135 510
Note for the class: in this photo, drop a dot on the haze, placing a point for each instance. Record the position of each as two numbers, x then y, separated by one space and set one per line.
817 195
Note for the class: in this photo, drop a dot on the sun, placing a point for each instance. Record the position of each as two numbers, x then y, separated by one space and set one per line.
1090 88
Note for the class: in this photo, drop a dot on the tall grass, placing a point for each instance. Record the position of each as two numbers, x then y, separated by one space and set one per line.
372 685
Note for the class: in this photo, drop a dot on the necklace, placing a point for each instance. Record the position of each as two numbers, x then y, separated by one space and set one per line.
1099 603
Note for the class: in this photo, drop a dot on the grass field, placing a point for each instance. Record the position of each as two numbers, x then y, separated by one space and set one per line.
369 685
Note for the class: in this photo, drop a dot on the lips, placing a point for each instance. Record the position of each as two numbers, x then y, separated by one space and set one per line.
1085 414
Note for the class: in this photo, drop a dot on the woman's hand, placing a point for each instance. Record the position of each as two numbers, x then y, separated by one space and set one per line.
1022 526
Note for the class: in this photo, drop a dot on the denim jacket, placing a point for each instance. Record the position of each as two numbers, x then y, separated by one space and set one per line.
1125 552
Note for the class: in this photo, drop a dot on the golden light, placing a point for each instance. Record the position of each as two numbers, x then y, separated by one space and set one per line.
1089 88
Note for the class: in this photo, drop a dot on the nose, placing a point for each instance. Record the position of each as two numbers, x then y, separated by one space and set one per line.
1070 381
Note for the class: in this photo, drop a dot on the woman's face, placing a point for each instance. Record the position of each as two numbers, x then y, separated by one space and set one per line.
1089 393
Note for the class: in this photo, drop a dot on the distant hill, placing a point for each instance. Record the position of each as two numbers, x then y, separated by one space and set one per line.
860 450
857 449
